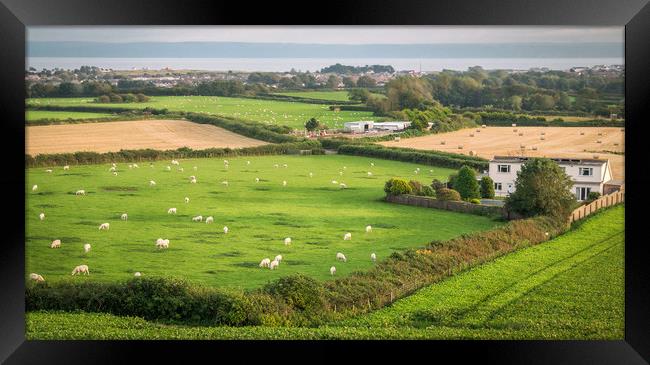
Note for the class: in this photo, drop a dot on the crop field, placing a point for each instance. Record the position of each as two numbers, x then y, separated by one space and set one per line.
114 136
266 111
503 141
31 115
314 212
321 95
571 287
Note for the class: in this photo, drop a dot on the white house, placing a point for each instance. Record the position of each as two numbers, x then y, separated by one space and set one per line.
392 126
368 125
587 174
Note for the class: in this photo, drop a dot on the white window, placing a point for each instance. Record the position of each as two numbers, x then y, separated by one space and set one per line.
582 193
503 168
586 171
497 186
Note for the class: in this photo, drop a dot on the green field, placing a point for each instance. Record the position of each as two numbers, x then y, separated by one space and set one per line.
571 287
320 95
314 212
32 115
266 111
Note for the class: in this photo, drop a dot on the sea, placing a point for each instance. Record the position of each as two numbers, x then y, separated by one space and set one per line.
315 64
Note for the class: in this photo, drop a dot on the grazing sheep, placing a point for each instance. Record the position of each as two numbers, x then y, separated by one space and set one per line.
130 166
248 162
41 216
112 169
334 182
81 269
311 174
225 162
195 168
187 200
369 173
347 236
135 165
152 183
34 187
162 243
174 162
36 277
278 258
368 229
257 179
276 165
113 164
55 244
171 211
49 171
87 247
344 167
225 230
274 264
287 241
416 171
80 192
198 218
285 165
284 183
137 274
340 173
373 257
209 220
181 169
124 217
193 181
115 174
343 186
168 168
66 167
265 262
192 177
104 226
372 164
332 270
341 257
225 183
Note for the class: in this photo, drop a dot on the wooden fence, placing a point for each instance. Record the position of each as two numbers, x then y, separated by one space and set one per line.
604 201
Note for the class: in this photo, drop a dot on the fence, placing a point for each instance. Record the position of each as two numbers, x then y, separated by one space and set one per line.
604 201
455 206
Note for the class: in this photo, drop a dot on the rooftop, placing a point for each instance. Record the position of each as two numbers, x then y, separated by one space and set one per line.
560 161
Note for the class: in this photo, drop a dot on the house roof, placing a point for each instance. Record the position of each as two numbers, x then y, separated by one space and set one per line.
559 160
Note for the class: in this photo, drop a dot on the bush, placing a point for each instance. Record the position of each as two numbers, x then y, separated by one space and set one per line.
593 196
299 292
263 132
103 99
447 194
452 180
433 158
428 191
475 201
396 186
487 187
416 187
437 184
115 98
466 183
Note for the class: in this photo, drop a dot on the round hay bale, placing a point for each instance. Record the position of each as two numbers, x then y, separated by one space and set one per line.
521 134
460 147
483 126
472 153
471 134
443 142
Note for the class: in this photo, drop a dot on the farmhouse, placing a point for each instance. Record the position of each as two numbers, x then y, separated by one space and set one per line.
588 175
368 125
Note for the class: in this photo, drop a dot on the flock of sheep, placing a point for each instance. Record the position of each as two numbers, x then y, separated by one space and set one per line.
164 243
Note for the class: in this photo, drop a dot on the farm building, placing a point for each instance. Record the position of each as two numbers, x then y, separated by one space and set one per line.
368 125
392 126
588 175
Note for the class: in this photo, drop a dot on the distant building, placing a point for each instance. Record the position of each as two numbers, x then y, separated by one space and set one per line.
588 175
392 126
363 126
358 127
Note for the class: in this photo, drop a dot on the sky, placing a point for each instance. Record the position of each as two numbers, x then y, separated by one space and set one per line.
329 35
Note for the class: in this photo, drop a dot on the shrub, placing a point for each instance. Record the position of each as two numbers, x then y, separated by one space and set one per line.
428 191
103 99
466 183
141 98
475 201
447 194
487 187
452 180
593 195
300 292
397 186
416 187
437 184
115 98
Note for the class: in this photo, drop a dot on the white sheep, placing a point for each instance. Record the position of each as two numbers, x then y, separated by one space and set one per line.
248 162
225 162
104 226
41 216
124 217
257 179
225 230
36 277
373 257
274 264
181 169
152 183
265 262
276 165
87 247
130 166
113 164
343 186
112 169
225 182
168 168
193 181
372 164
209 220
369 173
347 236
198 218
137 274
80 192
341 257
115 174
340 173
278 258
49 171
81 269
344 167
334 182
368 229
135 165
55 244
162 243
187 200
332 270
311 174
171 211
287 241
192 177
195 168
284 183
174 162
66 167
285 165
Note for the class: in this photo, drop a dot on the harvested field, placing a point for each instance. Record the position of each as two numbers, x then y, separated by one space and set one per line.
113 136
503 141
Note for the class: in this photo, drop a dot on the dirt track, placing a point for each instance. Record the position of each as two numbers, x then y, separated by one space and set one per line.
503 141
113 136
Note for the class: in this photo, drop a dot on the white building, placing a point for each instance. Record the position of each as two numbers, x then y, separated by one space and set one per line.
368 125
587 174
392 126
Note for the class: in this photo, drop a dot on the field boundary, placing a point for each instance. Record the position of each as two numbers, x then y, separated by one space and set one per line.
604 201
454 206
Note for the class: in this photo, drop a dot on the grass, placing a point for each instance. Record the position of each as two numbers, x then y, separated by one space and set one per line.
312 211
32 115
266 111
571 287
320 95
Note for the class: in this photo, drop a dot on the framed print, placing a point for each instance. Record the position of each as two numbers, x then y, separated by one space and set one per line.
425 176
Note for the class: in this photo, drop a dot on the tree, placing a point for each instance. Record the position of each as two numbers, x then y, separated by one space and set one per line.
349 82
515 102
542 188
487 187
437 184
312 124
333 82
396 186
366 81
466 183
451 181
447 194
361 95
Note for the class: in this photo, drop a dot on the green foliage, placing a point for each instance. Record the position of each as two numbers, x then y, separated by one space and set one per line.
475 201
447 194
263 132
437 184
428 191
299 292
312 124
397 186
416 187
487 187
505 119
593 195
542 188
466 183
451 180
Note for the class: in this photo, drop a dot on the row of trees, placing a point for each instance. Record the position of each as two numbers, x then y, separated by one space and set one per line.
122 98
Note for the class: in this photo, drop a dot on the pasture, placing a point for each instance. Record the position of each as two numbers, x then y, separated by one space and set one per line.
523 295
114 136
292 114
504 141
320 95
32 115
313 211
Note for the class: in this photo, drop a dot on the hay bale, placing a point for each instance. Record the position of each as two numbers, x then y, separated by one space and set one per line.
443 142
483 126
521 134
460 147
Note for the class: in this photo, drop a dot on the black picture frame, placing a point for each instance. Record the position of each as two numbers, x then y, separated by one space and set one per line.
15 15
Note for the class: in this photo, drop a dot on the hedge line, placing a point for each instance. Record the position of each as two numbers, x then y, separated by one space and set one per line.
355 108
96 109
294 300
262 132
433 158
506 119
296 99
81 158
